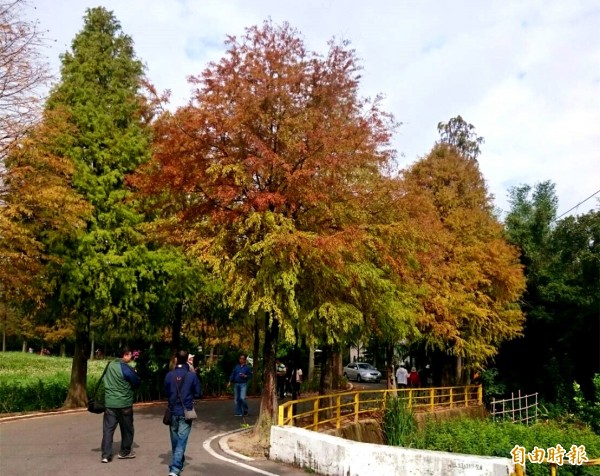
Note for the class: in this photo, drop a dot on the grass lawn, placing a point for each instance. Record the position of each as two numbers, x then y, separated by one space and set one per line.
31 382
23 367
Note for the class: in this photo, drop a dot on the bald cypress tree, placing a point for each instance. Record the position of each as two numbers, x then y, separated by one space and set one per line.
472 276
103 279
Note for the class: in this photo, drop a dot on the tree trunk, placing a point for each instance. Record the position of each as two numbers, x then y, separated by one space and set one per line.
92 346
336 369
389 359
268 403
256 350
311 365
326 384
77 395
24 348
176 329
63 350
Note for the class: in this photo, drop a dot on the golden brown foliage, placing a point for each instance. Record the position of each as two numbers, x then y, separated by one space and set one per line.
473 276
268 172
39 210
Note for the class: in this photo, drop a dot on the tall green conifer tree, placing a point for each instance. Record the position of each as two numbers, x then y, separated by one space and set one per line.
103 278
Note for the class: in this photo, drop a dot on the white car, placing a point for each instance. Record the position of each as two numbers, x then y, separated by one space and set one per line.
362 372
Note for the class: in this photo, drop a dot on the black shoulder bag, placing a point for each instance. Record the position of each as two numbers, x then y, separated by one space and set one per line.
93 405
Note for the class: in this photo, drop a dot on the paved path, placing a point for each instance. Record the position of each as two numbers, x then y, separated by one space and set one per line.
69 444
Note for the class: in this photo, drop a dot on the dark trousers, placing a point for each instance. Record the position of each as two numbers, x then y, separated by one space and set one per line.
295 390
281 386
113 417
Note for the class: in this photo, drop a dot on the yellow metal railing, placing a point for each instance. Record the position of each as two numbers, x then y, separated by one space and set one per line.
328 411
331 410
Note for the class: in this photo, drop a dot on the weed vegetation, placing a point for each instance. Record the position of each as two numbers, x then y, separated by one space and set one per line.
489 438
398 422
485 437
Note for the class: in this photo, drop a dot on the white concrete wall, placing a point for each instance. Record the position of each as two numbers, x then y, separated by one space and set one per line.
329 455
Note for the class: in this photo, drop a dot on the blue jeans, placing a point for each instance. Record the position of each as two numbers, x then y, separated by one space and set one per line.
113 417
239 392
180 431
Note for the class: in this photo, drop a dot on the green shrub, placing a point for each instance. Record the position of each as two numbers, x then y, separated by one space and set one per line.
487 438
493 387
214 381
152 366
398 422
588 410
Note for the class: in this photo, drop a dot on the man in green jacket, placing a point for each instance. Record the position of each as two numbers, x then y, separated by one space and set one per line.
119 381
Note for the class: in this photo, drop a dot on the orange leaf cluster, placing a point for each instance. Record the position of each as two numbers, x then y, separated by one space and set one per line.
473 276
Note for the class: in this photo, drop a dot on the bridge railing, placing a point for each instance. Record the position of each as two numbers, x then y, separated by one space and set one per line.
330 411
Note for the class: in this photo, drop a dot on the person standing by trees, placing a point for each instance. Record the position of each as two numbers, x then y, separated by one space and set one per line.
181 387
413 378
280 370
295 381
190 362
426 376
240 377
401 376
119 382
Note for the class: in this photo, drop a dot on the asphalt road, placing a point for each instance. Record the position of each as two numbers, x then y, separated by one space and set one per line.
69 444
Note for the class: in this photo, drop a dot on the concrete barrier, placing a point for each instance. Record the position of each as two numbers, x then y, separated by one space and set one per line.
330 455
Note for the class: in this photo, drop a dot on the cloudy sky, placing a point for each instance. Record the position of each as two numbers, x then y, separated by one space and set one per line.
526 73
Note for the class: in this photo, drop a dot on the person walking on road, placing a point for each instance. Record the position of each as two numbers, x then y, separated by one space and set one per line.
181 387
119 381
295 381
401 377
239 377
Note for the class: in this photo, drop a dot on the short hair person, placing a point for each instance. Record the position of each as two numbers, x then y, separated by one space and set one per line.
239 377
119 381
181 387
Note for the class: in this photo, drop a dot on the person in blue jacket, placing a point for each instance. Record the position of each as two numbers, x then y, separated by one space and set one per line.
181 387
239 377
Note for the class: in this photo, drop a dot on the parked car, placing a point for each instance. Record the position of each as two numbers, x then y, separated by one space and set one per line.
362 372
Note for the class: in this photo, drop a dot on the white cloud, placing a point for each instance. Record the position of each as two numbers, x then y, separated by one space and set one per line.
526 74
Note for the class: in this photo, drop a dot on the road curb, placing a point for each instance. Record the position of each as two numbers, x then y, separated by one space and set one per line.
225 447
67 411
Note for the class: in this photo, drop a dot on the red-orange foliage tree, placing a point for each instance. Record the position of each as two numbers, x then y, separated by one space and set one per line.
471 273
269 175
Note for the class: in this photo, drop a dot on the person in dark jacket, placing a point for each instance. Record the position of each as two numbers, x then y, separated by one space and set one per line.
119 381
239 377
181 387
